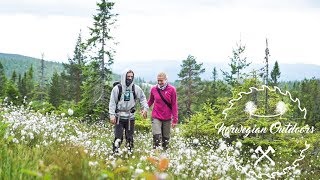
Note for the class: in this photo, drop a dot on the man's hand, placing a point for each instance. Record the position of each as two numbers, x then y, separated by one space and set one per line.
113 120
144 114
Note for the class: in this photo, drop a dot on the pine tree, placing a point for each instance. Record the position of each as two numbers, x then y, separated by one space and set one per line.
14 76
275 74
237 65
190 83
30 83
214 82
22 86
19 83
12 93
214 91
74 76
55 90
42 79
98 72
310 99
3 81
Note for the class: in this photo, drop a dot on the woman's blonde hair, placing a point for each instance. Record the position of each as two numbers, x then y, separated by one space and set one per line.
162 74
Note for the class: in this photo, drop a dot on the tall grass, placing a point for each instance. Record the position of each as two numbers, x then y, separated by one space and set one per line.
36 146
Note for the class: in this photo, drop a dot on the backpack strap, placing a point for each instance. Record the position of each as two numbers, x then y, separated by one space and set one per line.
164 100
134 92
120 92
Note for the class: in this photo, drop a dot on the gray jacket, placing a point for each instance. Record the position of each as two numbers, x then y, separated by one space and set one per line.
124 107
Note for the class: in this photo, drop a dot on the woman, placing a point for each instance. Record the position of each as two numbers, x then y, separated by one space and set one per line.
163 97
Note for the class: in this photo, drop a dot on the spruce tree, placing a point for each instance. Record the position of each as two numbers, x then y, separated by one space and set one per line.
74 70
97 86
275 74
55 90
189 83
3 80
14 76
238 64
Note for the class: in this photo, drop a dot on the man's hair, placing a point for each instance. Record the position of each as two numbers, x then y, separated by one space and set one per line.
162 74
130 71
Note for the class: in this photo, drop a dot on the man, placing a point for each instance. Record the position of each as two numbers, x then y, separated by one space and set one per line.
122 108
163 96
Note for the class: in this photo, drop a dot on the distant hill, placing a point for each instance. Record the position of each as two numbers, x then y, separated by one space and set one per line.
149 70
21 64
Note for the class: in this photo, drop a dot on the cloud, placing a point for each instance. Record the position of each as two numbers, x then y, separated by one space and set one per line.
55 36
167 29
48 7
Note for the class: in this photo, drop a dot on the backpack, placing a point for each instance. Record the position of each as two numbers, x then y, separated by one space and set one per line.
117 83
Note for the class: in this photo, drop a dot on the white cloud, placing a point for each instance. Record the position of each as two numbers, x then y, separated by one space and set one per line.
81 8
55 36
163 29
211 34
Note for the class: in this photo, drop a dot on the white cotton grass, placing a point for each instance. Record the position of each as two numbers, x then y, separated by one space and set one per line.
195 141
238 145
250 108
70 112
93 163
208 160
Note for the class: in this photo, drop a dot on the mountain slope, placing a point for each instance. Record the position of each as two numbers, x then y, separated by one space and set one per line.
21 64
149 70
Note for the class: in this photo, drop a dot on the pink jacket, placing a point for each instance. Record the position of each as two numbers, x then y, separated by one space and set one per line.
160 110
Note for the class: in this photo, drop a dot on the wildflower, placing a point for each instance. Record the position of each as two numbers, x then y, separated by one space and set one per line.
23 132
236 152
63 114
163 164
93 163
195 141
238 144
152 160
254 156
162 176
137 172
15 140
177 130
222 146
70 112
143 158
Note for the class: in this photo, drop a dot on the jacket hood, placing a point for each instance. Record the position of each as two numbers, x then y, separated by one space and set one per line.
124 76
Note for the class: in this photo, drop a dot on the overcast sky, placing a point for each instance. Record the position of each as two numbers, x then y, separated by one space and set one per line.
168 29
